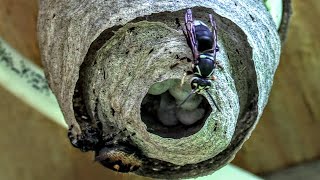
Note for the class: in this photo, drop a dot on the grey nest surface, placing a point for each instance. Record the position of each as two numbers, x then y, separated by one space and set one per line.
116 68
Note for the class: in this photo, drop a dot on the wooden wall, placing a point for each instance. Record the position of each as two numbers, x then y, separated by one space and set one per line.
18 26
287 134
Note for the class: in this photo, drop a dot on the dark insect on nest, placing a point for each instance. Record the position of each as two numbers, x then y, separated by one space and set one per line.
119 159
203 43
113 150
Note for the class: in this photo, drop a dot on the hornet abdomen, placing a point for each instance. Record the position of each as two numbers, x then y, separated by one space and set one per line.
203 35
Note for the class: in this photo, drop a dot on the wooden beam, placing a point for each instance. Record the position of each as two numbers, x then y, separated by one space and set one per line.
18 26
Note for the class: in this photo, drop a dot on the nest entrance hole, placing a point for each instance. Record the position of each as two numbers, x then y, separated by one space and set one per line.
150 116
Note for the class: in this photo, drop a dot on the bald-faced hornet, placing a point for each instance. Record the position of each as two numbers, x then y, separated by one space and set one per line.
203 43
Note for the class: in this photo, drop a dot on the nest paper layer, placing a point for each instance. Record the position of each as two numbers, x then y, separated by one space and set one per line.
102 57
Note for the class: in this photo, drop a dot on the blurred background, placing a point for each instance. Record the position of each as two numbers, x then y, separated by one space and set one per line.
285 144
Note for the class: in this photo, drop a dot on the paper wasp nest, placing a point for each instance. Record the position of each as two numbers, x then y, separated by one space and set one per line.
102 58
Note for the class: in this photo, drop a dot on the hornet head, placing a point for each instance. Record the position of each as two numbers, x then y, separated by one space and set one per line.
199 84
